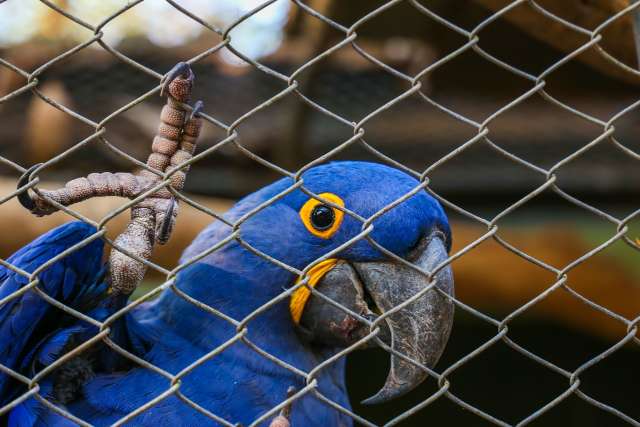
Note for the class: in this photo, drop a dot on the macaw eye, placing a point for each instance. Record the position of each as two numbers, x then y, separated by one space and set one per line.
320 219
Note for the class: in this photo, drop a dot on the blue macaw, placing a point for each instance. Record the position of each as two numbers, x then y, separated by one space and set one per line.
100 386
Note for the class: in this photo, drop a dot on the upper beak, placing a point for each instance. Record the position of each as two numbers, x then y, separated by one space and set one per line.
418 330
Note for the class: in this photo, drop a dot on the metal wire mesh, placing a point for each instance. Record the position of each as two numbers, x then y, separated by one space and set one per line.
413 88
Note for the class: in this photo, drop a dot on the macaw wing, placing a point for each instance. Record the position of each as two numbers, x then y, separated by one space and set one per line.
28 321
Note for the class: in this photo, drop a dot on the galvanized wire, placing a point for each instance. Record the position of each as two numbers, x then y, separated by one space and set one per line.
413 88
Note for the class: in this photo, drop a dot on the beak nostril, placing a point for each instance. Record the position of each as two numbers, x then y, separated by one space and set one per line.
419 248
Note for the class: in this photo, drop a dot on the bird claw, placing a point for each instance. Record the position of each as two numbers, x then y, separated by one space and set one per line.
282 420
286 411
163 232
181 69
197 109
153 218
24 198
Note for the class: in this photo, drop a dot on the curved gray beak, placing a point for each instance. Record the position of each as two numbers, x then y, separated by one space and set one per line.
418 330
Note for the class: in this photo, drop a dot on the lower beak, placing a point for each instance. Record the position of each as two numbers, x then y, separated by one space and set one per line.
418 330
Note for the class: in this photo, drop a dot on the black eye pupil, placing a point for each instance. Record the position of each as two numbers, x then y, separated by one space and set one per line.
322 217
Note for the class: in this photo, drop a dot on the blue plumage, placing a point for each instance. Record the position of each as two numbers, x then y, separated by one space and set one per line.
237 384
27 319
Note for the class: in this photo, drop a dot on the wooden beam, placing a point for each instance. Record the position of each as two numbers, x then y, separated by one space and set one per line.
618 38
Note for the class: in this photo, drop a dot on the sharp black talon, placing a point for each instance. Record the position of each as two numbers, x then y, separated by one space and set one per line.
180 69
197 109
165 228
286 411
24 198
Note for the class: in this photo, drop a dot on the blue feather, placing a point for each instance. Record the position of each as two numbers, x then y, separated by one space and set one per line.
21 318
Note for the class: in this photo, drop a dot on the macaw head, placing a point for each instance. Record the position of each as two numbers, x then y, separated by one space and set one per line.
371 241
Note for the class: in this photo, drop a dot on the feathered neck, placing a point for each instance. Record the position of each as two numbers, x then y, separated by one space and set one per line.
237 283
225 283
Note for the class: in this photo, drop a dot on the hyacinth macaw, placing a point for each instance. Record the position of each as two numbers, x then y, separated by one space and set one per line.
239 385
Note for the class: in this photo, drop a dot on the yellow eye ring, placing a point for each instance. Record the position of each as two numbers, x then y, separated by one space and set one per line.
320 219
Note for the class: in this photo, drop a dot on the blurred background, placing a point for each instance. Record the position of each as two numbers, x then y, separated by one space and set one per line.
561 328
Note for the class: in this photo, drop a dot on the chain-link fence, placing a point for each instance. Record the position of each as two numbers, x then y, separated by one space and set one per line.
294 85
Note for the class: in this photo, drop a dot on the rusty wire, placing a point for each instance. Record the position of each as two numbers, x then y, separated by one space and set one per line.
413 88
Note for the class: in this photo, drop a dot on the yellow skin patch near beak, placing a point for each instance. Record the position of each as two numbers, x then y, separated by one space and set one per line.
301 295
